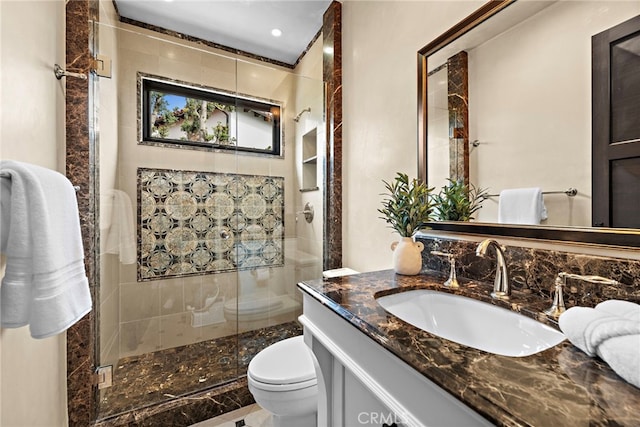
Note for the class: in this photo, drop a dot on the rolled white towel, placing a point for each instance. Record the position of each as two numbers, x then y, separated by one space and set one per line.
575 321
601 330
613 338
622 354
626 309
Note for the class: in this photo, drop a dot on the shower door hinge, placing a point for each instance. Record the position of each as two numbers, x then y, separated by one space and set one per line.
102 66
104 376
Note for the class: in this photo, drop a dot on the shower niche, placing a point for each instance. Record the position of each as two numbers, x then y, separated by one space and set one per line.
310 160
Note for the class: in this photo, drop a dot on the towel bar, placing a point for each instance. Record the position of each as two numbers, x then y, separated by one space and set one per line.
6 175
571 192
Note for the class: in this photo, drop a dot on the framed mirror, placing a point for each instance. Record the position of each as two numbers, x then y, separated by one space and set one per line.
527 66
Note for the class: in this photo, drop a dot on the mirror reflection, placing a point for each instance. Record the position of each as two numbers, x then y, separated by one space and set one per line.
529 112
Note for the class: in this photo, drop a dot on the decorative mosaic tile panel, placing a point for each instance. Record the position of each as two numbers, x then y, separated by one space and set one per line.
203 222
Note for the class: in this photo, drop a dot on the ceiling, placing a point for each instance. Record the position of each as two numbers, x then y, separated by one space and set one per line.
239 24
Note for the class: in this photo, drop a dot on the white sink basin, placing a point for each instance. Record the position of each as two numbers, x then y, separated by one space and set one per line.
472 323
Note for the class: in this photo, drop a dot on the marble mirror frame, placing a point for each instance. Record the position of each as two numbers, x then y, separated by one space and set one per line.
603 236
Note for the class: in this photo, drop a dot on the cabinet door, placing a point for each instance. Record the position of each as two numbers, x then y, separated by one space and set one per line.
616 126
362 408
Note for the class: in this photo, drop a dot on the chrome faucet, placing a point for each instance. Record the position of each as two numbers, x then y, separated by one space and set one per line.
452 281
558 307
501 287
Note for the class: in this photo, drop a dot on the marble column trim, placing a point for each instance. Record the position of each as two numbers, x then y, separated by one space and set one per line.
458 105
81 390
332 76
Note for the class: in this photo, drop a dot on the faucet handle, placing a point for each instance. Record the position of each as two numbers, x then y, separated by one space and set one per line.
599 280
452 282
557 307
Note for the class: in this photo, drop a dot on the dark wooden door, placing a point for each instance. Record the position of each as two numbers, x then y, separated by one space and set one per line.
616 126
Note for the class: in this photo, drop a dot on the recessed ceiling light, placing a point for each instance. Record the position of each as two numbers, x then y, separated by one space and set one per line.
276 32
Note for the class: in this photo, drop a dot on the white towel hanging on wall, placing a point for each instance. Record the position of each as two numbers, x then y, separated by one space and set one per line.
521 206
45 285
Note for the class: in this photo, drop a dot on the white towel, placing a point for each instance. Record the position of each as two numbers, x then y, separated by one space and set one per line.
622 354
121 237
615 339
45 284
521 206
626 309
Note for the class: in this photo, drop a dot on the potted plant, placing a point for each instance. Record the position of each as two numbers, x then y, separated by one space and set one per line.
458 201
406 208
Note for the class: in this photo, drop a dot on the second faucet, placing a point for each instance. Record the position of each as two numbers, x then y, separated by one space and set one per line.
501 287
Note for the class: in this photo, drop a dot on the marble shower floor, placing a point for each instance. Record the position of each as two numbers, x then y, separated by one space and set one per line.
162 375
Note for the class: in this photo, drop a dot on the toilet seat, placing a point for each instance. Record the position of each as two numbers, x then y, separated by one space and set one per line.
283 387
283 366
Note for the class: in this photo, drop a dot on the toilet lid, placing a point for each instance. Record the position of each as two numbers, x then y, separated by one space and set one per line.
285 362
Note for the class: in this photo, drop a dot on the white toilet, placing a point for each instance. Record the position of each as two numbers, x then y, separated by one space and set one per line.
282 380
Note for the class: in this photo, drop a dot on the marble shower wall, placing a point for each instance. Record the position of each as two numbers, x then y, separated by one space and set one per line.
204 222
533 271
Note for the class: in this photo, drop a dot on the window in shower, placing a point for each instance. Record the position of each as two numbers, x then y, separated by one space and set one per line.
183 115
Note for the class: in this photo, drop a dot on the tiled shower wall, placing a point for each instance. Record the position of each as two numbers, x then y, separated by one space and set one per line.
152 315
204 222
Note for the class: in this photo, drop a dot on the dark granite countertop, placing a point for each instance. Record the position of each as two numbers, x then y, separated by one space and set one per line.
560 386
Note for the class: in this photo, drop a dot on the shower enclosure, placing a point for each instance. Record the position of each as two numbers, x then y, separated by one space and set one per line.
202 232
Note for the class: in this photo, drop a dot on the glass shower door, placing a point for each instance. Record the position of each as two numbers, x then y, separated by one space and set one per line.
203 164
165 244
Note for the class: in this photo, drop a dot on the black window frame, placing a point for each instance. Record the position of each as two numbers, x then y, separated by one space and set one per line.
147 84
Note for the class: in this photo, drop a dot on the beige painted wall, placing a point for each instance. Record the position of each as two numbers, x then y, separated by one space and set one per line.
380 44
32 372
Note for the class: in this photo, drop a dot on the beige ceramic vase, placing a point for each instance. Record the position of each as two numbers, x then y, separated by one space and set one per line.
406 256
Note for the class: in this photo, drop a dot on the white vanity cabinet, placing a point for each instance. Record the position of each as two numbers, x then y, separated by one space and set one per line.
360 383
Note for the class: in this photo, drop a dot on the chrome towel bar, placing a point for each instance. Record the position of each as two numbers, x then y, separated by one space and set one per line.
571 192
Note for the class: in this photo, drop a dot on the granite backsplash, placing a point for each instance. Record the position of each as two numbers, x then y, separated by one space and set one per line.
534 270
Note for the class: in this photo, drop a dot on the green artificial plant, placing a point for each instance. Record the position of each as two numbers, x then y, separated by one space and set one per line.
408 205
458 201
